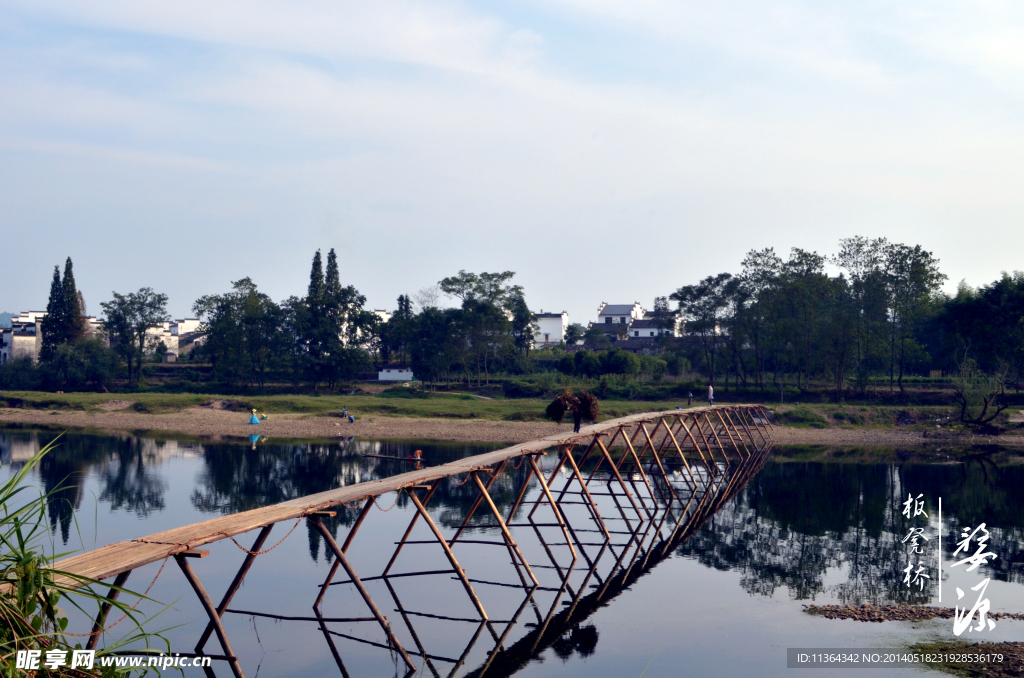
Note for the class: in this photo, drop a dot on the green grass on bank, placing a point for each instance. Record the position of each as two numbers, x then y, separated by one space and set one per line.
393 402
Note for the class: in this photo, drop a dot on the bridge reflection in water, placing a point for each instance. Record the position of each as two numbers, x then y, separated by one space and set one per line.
605 507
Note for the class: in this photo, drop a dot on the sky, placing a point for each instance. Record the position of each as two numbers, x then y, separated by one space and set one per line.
604 151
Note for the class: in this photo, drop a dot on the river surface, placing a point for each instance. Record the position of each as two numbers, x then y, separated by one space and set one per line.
725 601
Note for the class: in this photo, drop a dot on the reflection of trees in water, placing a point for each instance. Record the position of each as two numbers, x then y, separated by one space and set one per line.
123 464
238 478
795 521
130 482
976 492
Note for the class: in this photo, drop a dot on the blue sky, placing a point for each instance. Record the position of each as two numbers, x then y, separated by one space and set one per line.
605 151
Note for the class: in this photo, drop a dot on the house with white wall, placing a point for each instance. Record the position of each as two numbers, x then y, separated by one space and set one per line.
622 314
653 327
24 338
551 328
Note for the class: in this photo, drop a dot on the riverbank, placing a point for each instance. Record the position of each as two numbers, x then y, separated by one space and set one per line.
212 421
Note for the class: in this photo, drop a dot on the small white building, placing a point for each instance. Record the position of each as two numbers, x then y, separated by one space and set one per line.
551 328
395 373
382 314
623 314
185 326
652 327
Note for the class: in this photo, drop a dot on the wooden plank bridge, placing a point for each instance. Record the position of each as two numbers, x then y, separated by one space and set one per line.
678 465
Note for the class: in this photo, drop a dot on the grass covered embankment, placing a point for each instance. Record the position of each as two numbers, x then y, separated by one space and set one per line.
401 412
397 402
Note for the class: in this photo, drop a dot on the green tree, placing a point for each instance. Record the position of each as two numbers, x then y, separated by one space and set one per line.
52 325
87 363
243 332
704 308
65 313
574 333
913 278
127 318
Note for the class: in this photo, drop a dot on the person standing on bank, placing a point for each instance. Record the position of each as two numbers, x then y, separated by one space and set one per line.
711 395
689 398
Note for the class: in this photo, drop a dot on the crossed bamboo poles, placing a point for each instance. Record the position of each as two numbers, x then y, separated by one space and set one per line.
673 470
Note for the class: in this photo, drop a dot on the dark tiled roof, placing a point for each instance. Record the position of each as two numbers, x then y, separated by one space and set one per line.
617 309
651 323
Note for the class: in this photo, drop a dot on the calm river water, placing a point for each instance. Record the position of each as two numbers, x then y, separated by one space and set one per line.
726 602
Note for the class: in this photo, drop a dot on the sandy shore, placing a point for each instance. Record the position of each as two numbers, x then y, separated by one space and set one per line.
212 422
209 422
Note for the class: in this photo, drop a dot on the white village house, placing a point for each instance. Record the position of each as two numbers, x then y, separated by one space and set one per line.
653 327
24 338
619 313
551 328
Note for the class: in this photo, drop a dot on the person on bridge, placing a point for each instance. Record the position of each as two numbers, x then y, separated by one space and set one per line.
711 395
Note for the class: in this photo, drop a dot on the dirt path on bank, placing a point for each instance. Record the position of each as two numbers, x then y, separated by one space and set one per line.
212 422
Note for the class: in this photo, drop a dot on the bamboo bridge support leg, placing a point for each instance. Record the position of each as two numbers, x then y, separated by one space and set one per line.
754 422
668 494
504 528
448 552
211 611
358 583
711 429
576 467
112 595
620 431
711 469
465 653
682 457
643 476
669 437
739 435
476 504
742 415
586 493
330 643
408 530
522 493
235 584
498 645
554 507
728 430
348 541
668 442
622 483
408 624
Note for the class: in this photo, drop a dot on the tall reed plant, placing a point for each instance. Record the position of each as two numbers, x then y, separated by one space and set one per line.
33 590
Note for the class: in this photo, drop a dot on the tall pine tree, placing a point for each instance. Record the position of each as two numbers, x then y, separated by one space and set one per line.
65 313
72 315
51 323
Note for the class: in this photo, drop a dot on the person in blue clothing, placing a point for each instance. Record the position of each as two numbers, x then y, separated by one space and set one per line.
254 419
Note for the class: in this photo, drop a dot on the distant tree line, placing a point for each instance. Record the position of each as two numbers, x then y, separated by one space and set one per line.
873 312
883 315
327 336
